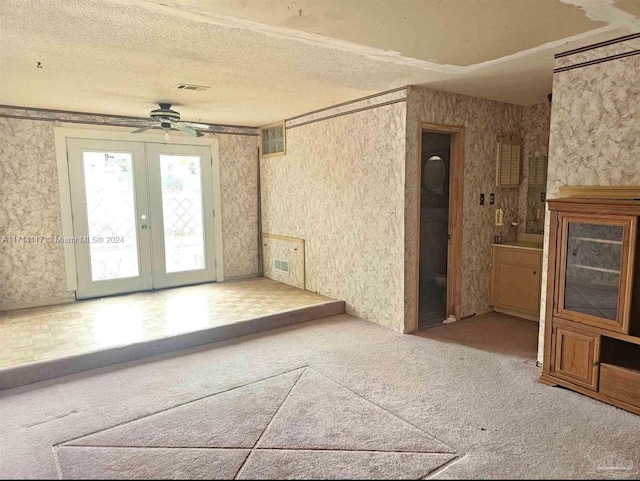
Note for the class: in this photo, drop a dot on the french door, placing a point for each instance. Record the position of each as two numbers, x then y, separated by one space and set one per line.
142 215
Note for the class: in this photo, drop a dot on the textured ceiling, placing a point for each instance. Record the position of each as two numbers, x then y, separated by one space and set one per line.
271 59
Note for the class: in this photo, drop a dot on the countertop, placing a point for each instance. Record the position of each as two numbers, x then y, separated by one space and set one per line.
521 245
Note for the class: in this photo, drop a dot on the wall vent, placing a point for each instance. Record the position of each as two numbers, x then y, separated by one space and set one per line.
196 88
281 266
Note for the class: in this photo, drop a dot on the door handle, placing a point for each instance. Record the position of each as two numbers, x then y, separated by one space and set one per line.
145 226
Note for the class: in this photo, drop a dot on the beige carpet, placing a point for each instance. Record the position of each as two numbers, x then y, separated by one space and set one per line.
292 425
338 398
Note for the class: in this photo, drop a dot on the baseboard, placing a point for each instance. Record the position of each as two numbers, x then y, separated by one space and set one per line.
515 313
482 312
29 305
239 278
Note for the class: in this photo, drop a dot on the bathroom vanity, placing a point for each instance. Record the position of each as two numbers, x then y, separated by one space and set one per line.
516 267
516 278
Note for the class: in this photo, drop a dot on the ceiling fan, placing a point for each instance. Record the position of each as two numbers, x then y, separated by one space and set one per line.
166 119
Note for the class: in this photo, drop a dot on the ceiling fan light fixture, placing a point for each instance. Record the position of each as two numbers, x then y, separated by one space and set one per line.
165 113
166 119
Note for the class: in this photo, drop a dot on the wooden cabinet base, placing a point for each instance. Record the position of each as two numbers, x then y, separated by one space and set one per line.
551 381
620 383
515 281
592 317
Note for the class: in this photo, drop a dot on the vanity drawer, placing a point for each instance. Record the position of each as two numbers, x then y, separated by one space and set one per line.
620 383
522 257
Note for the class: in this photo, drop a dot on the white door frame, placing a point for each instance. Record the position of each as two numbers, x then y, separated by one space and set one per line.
87 287
161 278
82 131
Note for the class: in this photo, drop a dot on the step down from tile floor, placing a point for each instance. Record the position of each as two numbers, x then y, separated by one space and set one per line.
53 368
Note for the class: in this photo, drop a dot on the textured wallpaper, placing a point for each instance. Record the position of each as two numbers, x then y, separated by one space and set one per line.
29 206
239 195
341 189
484 121
595 130
535 140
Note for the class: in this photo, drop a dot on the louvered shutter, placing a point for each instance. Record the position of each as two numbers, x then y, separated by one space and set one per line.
508 168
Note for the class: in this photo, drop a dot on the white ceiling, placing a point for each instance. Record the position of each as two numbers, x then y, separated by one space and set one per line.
267 60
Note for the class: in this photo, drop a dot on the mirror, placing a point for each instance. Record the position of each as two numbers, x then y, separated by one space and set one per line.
536 193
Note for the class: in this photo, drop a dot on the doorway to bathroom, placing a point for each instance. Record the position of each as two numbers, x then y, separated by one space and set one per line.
439 239
434 228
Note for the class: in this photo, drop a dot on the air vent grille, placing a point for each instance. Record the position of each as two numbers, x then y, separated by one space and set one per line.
281 266
196 88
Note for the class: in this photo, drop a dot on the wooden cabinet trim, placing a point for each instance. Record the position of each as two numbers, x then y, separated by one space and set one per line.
559 321
621 324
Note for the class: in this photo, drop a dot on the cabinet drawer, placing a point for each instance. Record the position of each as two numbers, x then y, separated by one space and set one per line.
620 383
520 256
575 356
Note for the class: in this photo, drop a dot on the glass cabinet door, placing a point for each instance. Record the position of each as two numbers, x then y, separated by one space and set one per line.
595 259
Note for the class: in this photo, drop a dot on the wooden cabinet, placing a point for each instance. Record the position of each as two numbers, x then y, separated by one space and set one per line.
575 356
592 328
515 281
595 267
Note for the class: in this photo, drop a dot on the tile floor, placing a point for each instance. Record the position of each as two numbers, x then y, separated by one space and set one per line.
37 334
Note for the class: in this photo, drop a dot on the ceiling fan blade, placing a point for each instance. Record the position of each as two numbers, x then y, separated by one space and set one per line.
185 129
195 125
142 129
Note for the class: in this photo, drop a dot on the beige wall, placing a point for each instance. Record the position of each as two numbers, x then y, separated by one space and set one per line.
30 205
484 121
341 189
239 196
595 127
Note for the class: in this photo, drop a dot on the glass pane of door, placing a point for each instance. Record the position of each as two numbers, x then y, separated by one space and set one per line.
182 215
111 215
183 224
593 268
